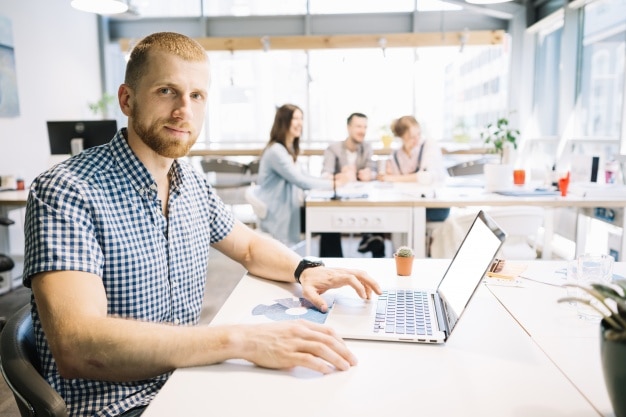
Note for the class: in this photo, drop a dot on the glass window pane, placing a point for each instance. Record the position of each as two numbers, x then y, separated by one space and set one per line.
547 76
476 90
360 6
253 7
247 87
602 72
359 80
166 8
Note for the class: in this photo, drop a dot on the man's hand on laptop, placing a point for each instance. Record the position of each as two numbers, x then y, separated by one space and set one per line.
316 281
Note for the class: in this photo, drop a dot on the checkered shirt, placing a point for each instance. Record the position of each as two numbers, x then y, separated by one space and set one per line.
98 212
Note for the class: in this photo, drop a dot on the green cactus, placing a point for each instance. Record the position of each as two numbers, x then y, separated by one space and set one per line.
404 252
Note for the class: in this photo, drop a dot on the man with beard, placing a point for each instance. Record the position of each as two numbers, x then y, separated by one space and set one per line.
351 160
117 243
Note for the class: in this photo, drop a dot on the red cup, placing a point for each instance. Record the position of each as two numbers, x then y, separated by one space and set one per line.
519 176
563 184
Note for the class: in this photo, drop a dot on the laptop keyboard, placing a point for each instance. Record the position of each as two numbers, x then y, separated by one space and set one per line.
403 312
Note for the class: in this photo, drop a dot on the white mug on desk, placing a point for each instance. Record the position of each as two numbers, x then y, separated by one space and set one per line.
8 182
424 178
76 145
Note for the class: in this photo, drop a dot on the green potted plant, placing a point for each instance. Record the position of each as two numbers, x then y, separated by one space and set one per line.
404 256
499 137
102 106
611 304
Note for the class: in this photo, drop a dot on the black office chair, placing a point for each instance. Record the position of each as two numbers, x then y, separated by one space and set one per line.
20 368
6 263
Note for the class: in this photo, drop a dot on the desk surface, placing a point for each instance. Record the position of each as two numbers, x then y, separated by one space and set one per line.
490 367
17 198
411 193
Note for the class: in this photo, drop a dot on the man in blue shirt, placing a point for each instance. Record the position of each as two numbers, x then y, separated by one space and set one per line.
117 242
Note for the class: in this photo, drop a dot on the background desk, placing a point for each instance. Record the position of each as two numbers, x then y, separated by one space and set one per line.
489 367
386 209
11 200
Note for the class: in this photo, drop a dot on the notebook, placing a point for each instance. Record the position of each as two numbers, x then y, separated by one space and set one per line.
353 318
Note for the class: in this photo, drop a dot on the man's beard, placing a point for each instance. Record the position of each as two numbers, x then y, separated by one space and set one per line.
150 135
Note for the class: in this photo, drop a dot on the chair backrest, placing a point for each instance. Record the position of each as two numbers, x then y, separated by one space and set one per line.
229 177
20 368
475 167
227 173
258 206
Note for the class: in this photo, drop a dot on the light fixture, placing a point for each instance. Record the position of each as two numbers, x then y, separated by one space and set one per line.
487 1
100 6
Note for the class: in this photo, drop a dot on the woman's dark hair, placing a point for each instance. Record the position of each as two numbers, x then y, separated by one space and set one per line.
282 123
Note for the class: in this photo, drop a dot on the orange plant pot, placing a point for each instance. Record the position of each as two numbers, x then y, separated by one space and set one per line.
404 265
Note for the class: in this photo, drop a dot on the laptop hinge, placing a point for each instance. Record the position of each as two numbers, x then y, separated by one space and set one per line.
441 320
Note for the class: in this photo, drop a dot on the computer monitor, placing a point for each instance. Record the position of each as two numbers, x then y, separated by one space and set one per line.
92 133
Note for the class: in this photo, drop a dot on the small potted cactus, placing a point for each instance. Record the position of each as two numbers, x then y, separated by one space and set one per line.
404 260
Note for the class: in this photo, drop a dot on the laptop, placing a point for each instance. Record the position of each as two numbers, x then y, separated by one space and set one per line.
437 311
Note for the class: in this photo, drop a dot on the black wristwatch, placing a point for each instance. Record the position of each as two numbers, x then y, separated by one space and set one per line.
306 262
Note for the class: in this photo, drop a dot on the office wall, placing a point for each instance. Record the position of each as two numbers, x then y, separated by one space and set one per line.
58 74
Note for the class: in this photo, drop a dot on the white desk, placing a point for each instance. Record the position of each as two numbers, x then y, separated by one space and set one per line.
489 367
386 209
571 343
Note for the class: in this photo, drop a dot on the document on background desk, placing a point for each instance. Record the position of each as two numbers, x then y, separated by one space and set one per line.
505 273
343 193
524 192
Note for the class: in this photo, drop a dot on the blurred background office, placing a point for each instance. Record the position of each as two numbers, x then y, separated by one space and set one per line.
554 68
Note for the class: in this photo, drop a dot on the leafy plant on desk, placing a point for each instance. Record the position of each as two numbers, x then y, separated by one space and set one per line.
612 299
612 307
498 135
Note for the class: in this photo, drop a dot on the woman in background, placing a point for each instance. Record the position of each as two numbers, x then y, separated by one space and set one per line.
418 160
280 180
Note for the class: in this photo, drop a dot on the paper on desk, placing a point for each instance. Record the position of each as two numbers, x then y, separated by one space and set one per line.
292 308
504 272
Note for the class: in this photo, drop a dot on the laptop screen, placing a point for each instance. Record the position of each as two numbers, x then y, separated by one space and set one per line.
470 263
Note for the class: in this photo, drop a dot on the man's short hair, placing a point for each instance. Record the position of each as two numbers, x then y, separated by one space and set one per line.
353 115
169 42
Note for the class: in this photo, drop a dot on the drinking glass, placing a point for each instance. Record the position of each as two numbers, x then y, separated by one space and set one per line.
592 268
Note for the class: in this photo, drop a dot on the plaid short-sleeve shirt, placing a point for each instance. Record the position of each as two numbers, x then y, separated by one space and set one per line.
98 212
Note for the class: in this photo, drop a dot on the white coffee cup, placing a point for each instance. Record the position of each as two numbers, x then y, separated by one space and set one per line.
424 178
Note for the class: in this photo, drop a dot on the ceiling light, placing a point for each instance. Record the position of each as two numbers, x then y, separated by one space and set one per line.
100 6
486 1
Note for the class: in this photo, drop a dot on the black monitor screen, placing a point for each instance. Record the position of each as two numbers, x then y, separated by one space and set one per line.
92 133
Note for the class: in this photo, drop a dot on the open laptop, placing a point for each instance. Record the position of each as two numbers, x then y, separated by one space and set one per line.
442 307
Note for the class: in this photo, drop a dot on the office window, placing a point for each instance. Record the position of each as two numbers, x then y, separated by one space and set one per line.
330 84
359 80
188 8
253 7
475 90
246 88
547 84
602 73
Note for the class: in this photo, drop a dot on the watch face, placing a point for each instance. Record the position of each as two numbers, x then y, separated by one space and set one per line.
312 260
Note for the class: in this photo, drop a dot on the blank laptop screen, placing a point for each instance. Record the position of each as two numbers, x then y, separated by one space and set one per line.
470 263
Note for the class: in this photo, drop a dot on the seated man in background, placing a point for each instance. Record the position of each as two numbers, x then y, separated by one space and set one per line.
117 247
351 159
